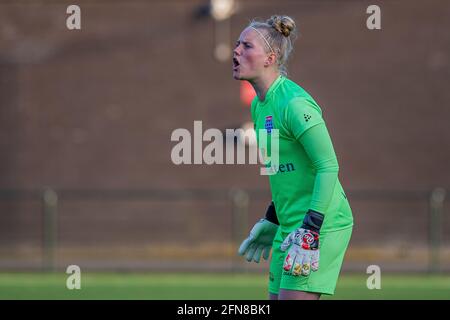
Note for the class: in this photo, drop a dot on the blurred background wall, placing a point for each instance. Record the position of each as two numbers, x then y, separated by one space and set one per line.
87 115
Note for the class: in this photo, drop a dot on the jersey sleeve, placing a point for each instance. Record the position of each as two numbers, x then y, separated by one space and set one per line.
317 144
301 114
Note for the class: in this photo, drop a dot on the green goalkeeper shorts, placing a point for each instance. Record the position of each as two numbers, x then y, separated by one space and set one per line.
332 245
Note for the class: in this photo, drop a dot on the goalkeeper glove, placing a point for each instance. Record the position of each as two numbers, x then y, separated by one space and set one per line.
303 254
260 240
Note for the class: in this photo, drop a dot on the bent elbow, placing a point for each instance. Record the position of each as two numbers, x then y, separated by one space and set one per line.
330 166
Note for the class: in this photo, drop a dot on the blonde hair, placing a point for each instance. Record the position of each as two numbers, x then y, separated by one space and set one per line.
279 33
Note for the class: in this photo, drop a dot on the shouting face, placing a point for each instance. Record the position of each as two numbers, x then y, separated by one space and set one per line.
250 57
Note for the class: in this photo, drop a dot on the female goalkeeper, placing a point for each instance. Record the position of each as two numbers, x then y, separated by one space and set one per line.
309 211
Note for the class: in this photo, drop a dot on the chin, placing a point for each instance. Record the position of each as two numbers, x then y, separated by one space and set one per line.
239 76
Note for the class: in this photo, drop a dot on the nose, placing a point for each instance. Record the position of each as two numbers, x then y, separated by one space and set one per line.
237 50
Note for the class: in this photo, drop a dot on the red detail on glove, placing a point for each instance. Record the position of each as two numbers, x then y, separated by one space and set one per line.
287 266
308 238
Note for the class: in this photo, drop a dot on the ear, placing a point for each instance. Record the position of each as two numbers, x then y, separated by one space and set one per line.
270 60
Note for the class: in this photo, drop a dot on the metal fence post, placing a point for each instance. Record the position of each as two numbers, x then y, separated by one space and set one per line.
50 206
437 199
240 201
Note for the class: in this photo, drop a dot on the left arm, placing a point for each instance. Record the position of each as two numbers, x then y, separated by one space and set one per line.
317 144
307 126
304 120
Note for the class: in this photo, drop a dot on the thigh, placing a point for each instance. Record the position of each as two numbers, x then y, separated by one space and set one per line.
286 294
276 265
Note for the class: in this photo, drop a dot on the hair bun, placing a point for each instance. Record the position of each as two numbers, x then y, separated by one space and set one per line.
283 24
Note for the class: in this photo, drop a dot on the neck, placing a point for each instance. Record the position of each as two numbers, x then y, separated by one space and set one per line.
262 85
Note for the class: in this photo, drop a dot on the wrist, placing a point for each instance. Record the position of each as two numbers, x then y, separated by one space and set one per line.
313 221
271 214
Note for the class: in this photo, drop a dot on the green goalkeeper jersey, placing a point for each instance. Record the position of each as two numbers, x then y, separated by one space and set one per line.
306 175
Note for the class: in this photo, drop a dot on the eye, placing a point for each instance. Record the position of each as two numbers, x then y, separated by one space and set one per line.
247 45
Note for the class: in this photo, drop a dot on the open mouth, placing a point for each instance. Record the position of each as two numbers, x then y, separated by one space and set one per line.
235 63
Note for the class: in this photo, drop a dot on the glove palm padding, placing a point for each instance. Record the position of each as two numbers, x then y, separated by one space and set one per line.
259 242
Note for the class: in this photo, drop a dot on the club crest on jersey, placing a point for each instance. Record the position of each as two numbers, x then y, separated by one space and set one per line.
268 125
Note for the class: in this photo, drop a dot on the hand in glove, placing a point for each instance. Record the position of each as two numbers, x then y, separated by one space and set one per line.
303 244
260 240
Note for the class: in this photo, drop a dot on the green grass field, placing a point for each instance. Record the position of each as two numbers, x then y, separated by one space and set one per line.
205 286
